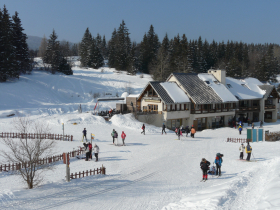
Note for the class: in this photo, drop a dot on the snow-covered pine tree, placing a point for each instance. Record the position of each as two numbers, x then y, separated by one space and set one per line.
95 57
84 48
53 54
21 47
8 61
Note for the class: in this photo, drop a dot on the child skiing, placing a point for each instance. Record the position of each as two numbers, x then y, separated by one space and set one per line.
123 137
143 129
241 149
204 165
218 161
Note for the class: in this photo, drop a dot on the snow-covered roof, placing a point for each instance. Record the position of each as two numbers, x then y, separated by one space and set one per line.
218 87
253 84
176 93
241 90
133 95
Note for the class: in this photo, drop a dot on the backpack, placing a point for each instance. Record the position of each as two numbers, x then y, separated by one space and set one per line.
248 148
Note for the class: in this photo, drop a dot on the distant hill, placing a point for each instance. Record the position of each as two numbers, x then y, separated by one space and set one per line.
34 42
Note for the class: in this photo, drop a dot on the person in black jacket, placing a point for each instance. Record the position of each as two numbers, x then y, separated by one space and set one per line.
187 131
163 129
204 165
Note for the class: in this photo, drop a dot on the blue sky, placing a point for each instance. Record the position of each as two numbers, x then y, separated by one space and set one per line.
255 21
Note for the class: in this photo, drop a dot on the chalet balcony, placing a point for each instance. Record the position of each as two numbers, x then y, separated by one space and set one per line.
269 106
255 108
216 110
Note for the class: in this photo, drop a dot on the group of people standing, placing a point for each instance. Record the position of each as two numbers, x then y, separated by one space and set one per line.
114 135
205 166
88 151
247 149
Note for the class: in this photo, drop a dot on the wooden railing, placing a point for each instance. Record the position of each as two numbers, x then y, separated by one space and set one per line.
101 170
47 160
37 136
238 140
267 106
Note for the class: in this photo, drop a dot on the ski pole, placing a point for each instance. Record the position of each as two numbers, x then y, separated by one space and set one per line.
254 157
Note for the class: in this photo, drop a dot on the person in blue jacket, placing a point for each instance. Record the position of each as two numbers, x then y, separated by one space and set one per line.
218 161
240 129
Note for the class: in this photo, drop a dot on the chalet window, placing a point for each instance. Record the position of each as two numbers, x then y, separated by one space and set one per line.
144 108
187 106
150 93
178 107
229 85
205 106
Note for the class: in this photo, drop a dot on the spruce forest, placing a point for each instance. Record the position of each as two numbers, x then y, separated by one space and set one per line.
151 56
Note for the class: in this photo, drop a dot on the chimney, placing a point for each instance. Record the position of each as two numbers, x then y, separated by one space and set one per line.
220 75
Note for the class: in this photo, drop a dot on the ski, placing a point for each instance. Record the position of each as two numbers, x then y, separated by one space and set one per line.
202 180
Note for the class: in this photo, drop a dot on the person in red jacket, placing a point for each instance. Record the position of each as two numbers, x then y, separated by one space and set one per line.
90 150
123 137
143 129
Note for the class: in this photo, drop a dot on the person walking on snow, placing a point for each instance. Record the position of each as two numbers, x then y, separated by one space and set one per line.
179 133
163 129
204 165
123 137
241 149
84 134
116 137
86 151
90 150
113 135
143 129
192 132
240 129
218 161
96 151
248 150
187 131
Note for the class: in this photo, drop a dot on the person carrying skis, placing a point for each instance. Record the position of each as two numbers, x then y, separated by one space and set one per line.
240 129
248 150
113 135
123 137
241 149
163 129
143 129
192 132
96 151
204 165
218 161
187 131
84 134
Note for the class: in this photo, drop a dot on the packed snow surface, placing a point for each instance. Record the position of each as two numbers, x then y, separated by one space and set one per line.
152 171
176 93
219 88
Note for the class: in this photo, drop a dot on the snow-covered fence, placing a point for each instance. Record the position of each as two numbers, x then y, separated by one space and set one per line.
101 170
37 136
237 140
48 160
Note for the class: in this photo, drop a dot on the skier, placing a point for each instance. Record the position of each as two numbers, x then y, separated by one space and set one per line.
248 150
218 161
261 124
253 125
187 131
143 129
113 135
84 134
192 132
241 149
163 129
240 129
96 151
204 165
123 137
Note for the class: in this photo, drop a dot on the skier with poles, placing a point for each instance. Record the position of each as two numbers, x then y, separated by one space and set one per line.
179 133
248 150
204 165
163 129
240 129
241 149
113 135
84 134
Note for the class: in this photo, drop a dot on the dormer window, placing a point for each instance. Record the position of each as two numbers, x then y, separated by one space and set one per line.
237 97
229 85
207 82
244 85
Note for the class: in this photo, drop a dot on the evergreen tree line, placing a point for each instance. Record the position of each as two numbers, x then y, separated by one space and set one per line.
14 55
56 55
161 58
